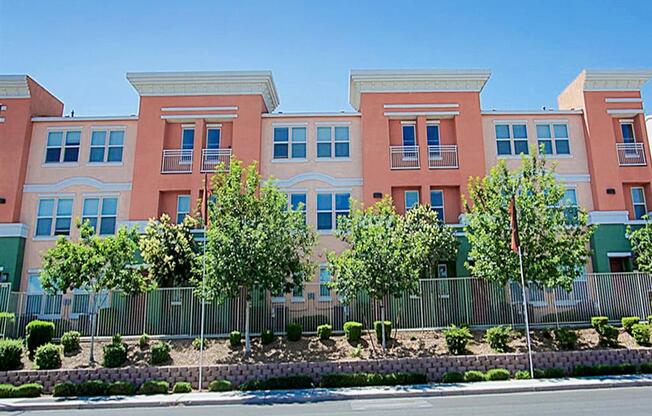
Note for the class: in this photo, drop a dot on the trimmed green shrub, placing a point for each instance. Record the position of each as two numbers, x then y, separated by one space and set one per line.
598 321
38 333
452 377
498 337
353 331
372 379
115 355
649 319
70 342
641 333
539 373
404 379
378 327
182 387
554 372
294 331
457 338
603 370
474 375
267 337
48 357
92 388
66 389
11 351
324 332
566 339
143 341
196 343
7 391
628 322
522 375
116 338
279 383
121 388
160 353
646 368
497 374
154 387
220 385
608 334
235 339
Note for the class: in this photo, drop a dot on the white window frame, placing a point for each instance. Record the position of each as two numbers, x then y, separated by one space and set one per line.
107 146
443 287
290 142
443 203
405 198
99 217
323 298
54 217
333 141
298 299
512 140
333 211
553 136
43 298
63 146
413 125
622 136
430 123
182 212
634 204
305 205
217 127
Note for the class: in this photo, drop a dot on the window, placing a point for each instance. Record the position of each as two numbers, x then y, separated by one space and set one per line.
298 201
547 134
213 138
102 212
577 294
183 207
63 146
53 211
508 133
627 130
38 302
324 280
289 142
332 141
409 135
187 144
443 288
570 205
638 202
326 215
105 150
297 294
437 203
411 199
432 134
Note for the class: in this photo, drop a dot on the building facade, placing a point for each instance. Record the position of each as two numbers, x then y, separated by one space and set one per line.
417 136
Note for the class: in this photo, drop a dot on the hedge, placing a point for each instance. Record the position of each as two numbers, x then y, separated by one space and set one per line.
220 385
372 379
48 357
7 391
353 331
182 387
279 383
154 387
11 351
38 333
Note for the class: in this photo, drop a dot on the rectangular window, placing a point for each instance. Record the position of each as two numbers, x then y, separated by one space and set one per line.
437 203
409 135
330 207
638 202
627 130
443 288
324 280
298 202
553 138
106 146
570 203
62 146
411 199
53 211
333 142
289 143
188 138
213 138
38 302
183 207
102 212
432 134
297 294
511 136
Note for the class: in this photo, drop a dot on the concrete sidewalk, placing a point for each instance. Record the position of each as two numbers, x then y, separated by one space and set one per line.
320 394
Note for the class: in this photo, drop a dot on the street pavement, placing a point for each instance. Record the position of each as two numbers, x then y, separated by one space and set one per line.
629 401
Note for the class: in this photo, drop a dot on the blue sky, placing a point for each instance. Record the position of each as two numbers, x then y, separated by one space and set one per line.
80 50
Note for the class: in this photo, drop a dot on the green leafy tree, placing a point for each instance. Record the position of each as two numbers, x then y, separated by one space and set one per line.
170 251
554 236
641 241
94 264
253 240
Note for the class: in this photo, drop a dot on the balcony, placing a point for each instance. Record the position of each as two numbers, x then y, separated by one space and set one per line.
442 157
404 157
215 160
177 161
631 154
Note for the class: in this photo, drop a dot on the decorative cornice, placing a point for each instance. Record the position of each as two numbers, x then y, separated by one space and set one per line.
317 176
308 114
529 112
608 217
78 180
14 230
362 81
14 86
85 118
615 80
206 83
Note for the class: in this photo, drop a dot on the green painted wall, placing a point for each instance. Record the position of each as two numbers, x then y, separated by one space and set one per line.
11 258
607 238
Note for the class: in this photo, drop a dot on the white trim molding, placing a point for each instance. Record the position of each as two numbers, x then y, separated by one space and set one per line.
78 180
619 254
623 100
317 176
226 108
427 114
615 80
207 83
608 217
573 177
451 105
184 118
14 86
140 225
14 230
530 112
308 114
624 112
86 118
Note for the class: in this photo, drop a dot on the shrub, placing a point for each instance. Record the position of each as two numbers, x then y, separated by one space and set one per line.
649 319
324 332
121 388
220 385
70 342
539 373
353 331
497 374
608 335
566 339
603 370
143 341
279 383
64 390
356 352
628 322
235 339
116 338
522 375
47 357
498 337
378 327
641 333
554 373
452 377
598 321
182 387
38 333
294 331
160 353
11 351
404 379
92 388
267 337
196 343
115 355
372 379
7 391
474 375
154 387
646 368
456 339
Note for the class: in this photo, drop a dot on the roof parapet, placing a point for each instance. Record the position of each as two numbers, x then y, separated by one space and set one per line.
14 86
614 80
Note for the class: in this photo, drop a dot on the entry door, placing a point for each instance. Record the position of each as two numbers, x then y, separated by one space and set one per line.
617 264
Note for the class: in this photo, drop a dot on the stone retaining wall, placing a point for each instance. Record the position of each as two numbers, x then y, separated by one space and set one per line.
434 367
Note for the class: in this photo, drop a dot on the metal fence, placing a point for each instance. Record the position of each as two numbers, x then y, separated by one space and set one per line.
176 312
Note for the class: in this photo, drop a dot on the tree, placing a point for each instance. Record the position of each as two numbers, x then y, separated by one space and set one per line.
253 240
641 241
94 264
170 251
554 235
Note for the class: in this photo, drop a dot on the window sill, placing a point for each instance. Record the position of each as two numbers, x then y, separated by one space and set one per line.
515 157
60 165
49 238
333 159
297 300
278 300
326 232
290 160
105 164
325 298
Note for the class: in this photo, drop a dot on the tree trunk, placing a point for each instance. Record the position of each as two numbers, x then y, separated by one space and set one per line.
247 339
91 358
382 322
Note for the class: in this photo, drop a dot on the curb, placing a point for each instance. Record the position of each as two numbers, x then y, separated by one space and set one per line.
322 395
